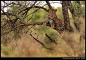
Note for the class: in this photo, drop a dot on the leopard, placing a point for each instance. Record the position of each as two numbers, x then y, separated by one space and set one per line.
54 21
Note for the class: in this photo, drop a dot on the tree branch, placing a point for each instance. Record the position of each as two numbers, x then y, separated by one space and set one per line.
40 42
48 4
28 24
28 8
34 3
51 39
8 4
29 29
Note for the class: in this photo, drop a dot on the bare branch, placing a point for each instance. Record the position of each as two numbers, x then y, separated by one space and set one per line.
32 13
34 4
48 4
28 8
40 42
51 39
28 24
7 13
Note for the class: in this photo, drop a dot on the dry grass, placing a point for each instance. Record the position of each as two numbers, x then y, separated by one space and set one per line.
28 47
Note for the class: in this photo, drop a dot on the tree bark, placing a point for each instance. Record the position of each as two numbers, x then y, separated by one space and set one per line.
66 16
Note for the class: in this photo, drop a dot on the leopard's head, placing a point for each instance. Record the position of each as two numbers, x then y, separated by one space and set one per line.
52 12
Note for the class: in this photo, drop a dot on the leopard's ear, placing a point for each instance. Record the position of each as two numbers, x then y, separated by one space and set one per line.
55 9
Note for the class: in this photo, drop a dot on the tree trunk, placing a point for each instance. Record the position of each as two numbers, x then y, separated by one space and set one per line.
69 37
66 16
